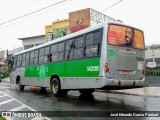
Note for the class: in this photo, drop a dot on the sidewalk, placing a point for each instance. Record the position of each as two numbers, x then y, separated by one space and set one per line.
145 91
6 79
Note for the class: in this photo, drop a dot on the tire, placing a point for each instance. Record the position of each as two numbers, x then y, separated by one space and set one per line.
86 91
43 90
20 86
56 88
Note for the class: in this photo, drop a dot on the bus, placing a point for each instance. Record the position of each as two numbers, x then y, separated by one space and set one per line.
107 55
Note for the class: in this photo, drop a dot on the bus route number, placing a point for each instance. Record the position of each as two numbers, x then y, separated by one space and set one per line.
93 68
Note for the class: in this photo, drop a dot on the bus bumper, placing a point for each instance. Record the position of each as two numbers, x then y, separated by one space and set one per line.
121 83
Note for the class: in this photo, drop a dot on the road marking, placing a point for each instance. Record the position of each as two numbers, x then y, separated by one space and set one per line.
20 102
10 100
21 107
18 108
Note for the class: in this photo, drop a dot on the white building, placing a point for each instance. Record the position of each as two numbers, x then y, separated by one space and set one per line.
152 56
29 42
11 52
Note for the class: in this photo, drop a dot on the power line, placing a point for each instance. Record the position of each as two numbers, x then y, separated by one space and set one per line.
108 8
32 12
112 5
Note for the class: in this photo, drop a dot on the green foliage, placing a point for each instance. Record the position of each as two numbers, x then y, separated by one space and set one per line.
5 75
2 118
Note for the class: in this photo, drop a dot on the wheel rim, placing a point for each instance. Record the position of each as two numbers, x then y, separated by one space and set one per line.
55 87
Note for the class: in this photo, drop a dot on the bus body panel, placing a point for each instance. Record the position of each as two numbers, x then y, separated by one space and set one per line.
125 67
72 73
125 63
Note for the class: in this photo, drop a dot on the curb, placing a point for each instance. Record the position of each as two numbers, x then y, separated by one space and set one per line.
125 93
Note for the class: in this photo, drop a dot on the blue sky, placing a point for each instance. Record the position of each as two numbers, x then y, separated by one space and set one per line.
142 14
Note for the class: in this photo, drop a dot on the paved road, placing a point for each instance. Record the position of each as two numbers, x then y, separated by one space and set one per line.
9 104
75 103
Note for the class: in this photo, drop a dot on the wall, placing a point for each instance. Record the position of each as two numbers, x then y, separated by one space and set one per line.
79 20
32 41
57 29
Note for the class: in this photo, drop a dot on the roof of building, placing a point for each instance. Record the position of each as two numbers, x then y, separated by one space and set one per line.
25 38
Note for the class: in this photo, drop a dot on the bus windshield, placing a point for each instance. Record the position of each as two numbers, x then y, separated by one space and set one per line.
125 37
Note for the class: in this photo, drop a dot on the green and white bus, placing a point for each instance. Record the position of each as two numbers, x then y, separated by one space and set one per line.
94 58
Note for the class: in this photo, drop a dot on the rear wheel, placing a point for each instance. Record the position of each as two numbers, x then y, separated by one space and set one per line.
20 86
86 91
56 88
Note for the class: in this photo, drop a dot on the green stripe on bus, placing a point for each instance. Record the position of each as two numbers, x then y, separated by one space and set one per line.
76 68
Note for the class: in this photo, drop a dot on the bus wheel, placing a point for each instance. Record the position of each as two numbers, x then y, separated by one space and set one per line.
20 86
56 88
86 91
43 90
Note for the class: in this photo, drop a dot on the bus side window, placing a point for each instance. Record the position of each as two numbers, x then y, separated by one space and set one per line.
35 62
31 58
61 51
79 41
97 37
78 51
91 51
69 50
19 60
89 39
46 54
23 59
54 54
14 62
55 57
27 59
41 55
49 58
92 44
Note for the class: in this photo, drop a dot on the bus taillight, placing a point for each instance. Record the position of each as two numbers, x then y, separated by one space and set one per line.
107 67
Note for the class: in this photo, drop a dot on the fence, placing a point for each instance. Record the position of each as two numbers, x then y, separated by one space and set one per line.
152 76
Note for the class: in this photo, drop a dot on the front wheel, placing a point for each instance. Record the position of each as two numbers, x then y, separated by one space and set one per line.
20 86
56 88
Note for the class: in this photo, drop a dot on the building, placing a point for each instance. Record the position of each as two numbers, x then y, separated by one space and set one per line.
78 20
11 52
29 42
2 55
57 29
84 18
152 54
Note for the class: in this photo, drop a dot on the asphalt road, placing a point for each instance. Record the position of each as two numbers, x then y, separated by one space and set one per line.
75 106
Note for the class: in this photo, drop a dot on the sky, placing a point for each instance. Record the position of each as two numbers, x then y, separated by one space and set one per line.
142 14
